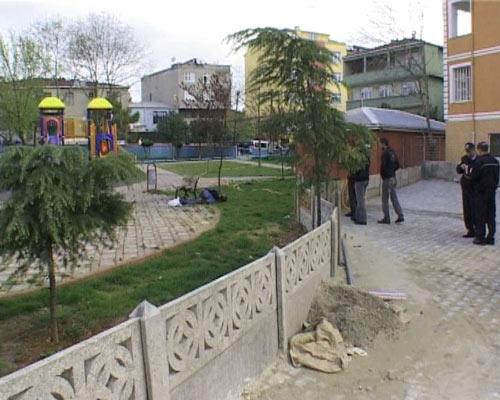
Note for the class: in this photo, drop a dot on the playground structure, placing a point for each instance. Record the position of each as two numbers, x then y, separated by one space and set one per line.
100 128
51 121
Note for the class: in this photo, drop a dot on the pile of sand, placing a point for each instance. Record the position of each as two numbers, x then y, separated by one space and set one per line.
359 316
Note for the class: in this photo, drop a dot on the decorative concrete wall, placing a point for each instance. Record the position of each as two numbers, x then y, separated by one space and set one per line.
107 366
202 345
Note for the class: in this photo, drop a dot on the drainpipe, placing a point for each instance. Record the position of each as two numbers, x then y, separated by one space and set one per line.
473 71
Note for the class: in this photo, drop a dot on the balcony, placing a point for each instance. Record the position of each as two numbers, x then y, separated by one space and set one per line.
396 102
374 77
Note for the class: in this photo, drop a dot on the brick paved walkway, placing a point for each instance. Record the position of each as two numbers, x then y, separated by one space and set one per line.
152 227
451 349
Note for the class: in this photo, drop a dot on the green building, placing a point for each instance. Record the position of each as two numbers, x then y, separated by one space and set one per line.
398 75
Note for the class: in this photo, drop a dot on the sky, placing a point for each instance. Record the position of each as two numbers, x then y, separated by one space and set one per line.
177 31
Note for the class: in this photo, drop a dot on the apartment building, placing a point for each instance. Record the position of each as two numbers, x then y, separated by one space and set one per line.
167 86
471 74
395 75
339 50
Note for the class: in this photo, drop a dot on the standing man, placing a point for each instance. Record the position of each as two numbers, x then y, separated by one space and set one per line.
361 179
352 197
465 169
485 177
389 166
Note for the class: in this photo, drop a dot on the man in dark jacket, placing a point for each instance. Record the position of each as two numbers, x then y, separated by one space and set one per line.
485 177
352 197
465 169
389 166
361 179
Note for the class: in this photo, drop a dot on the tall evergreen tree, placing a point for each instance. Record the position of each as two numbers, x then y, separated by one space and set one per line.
60 201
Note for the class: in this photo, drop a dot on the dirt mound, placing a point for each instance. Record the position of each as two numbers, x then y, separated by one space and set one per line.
359 316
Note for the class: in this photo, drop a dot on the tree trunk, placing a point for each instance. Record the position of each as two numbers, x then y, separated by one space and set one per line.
282 164
220 168
317 184
54 336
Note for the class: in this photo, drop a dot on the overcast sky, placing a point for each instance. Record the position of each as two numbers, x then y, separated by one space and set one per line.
181 30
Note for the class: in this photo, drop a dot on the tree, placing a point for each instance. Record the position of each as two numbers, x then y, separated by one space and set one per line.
122 116
299 71
387 24
60 202
101 48
174 129
51 39
21 64
212 98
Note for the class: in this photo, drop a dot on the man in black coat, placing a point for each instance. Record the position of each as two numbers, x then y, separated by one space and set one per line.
388 168
465 169
485 177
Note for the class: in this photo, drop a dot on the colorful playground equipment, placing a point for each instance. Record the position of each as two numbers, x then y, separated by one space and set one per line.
51 121
101 130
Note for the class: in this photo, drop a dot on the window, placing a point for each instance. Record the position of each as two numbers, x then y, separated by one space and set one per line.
495 144
312 36
189 77
385 91
69 98
336 98
337 77
150 96
206 78
337 57
158 116
461 83
366 93
408 88
459 18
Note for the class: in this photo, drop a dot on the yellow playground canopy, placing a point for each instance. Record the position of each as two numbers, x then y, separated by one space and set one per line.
99 103
51 103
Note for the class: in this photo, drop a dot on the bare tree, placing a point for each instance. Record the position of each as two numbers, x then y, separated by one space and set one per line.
101 48
211 96
50 36
390 21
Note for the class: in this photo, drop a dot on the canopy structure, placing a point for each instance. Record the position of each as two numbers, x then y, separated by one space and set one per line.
51 103
99 103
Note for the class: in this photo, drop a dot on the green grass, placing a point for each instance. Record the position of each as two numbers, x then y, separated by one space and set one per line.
255 217
275 160
229 169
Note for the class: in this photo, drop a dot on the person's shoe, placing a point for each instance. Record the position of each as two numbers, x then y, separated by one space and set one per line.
479 242
490 241
359 223
400 220
469 235
384 221
349 214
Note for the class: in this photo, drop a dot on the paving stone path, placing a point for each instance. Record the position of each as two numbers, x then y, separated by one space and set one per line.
451 350
152 227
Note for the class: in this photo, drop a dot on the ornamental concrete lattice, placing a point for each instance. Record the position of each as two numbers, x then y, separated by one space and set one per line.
152 227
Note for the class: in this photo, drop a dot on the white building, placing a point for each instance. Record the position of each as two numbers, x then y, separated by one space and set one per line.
150 113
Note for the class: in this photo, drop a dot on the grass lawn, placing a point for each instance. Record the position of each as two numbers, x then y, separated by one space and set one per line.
256 217
275 159
229 168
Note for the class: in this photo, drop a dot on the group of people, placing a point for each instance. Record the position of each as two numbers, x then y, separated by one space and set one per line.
358 183
480 178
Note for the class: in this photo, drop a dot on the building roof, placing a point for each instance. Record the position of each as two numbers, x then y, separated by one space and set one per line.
51 103
358 51
193 61
76 83
396 120
149 104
